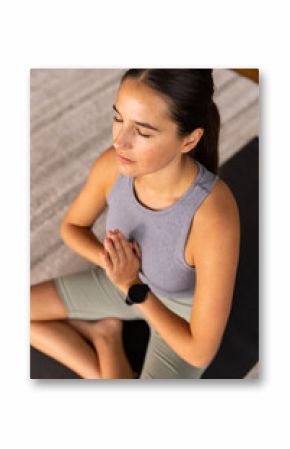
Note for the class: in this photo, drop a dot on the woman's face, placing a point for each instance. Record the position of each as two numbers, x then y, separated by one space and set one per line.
149 149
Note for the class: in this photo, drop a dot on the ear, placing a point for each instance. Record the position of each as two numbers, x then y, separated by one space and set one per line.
192 139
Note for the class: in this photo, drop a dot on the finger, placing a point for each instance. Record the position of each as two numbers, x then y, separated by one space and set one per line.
127 246
139 251
132 245
107 260
118 245
134 249
109 246
137 248
121 242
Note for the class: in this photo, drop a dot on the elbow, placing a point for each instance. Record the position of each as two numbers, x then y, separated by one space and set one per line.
201 361
66 228
202 354
200 364
63 230
205 361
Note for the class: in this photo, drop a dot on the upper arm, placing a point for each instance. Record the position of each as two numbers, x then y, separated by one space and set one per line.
216 240
91 200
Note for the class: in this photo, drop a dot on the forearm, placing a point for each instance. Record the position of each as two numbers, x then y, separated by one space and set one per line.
173 329
83 241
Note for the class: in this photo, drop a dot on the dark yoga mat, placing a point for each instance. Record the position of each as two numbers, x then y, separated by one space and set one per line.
238 351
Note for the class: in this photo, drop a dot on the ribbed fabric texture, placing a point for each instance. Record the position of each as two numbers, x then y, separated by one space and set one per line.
162 234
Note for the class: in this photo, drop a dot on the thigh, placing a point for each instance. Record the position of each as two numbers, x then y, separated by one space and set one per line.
90 295
161 362
46 303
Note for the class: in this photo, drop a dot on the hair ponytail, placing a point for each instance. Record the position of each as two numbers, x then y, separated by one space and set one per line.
206 151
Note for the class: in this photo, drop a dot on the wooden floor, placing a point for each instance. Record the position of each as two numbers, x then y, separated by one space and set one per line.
252 74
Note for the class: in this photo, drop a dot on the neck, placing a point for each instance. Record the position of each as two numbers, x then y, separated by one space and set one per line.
168 180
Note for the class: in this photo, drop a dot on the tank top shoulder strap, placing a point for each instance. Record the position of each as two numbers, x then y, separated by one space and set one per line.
200 189
207 178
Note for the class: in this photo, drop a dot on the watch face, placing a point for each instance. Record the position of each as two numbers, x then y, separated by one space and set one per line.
138 292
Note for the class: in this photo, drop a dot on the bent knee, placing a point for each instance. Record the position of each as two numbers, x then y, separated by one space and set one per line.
45 302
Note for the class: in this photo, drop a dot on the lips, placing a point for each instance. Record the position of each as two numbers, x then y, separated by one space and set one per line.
125 158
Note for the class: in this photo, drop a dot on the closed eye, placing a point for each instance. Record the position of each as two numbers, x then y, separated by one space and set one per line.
138 131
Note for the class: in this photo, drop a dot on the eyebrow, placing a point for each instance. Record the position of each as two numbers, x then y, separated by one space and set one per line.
145 125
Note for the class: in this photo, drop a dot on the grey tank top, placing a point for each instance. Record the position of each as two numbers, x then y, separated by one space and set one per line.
161 234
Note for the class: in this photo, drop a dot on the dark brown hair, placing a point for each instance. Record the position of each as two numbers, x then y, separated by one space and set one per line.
189 93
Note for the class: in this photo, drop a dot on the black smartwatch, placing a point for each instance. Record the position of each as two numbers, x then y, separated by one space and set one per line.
137 293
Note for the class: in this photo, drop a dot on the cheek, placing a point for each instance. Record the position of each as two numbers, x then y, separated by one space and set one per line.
152 155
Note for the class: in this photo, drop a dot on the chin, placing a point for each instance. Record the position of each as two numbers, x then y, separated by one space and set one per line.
126 170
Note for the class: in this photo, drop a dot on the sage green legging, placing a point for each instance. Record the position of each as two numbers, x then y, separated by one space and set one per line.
90 295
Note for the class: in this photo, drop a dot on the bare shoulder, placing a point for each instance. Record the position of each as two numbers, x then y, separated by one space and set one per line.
92 198
217 217
220 205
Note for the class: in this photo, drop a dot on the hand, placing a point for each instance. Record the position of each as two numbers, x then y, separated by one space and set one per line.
122 260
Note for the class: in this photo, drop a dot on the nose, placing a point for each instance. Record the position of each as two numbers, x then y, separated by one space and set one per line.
122 140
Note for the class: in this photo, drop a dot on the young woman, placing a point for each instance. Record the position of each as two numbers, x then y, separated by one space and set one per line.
172 238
